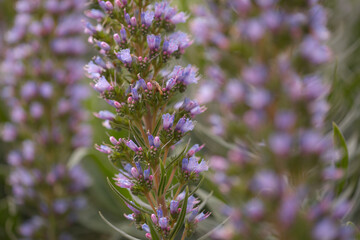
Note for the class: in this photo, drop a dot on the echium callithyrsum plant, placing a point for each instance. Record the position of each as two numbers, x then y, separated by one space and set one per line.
277 171
40 85
137 40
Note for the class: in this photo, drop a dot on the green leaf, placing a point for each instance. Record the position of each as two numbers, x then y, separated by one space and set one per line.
181 217
178 157
138 137
153 232
116 229
157 127
77 156
127 200
198 186
340 142
208 234
162 179
343 163
118 125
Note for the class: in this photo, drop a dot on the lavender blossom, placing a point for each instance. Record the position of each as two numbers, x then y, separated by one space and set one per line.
41 74
270 108
139 86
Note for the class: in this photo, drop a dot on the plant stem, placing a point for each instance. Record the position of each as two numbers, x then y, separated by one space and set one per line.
153 122
170 180
178 191
139 125
183 235
150 202
165 154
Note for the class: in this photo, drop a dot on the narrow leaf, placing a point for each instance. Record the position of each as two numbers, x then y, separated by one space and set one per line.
340 142
77 156
343 163
198 186
181 217
178 157
207 235
157 127
125 199
137 135
124 234
153 232
162 179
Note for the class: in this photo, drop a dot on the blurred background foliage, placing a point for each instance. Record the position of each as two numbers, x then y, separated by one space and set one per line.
343 74
6 17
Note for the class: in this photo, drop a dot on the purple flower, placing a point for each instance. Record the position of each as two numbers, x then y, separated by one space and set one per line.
9 132
272 19
254 209
147 175
136 212
192 202
123 34
145 227
134 172
95 14
132 145
184 125
123 181
102 85
174 207
266 183
255 74
182 39
147 18
201 217
314 51
311 142
194 149
28 228
288 210
170 84
154 41
186 75
170 46
178 18
36 110
280 143
124 56
168 121
194 166
140 84
325 230
134 94
105 115
154 218
253 29
155 142
159 8
163 222
285 120
28 90
258 98
104 149
192 107
46 90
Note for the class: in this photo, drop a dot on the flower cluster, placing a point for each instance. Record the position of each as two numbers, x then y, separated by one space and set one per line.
40 79
136 41
271 105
